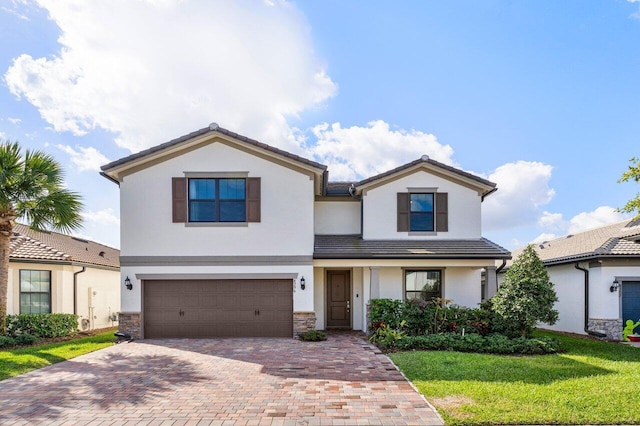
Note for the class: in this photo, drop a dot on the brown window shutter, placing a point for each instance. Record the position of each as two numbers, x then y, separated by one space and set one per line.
179 199
403 212
442 212
253 199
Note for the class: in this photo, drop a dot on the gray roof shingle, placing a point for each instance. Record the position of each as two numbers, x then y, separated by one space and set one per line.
615 240
27 244
354 247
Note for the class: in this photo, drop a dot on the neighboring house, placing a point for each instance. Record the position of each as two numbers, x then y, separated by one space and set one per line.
596 275
56 273
226 236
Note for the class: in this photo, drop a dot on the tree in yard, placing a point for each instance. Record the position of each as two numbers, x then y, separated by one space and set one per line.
526 296
633 173
31 188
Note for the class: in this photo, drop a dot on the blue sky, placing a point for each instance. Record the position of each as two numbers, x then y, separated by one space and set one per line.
542 97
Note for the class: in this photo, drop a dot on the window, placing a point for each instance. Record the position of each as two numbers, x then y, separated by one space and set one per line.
35 292
421 212
217 200
424 285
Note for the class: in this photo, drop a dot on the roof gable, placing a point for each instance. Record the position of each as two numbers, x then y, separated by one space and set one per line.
116 170
29 245
483 186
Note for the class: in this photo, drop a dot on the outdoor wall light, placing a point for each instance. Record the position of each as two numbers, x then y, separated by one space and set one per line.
127 284
303 283
614 286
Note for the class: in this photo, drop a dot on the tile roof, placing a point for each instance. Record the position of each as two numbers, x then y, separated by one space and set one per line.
27 244
426 160
354 247
616 240
213 127
339 188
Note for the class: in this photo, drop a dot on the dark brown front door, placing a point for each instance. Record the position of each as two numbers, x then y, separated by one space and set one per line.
339 299
218 308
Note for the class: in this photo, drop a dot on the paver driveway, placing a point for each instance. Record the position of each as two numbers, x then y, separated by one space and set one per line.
343 381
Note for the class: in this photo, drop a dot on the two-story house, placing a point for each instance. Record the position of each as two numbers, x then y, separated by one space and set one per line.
225 236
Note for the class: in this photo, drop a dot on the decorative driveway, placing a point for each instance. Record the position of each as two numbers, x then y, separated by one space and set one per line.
342 381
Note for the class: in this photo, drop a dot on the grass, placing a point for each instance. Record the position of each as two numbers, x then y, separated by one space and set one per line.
592 383
19 361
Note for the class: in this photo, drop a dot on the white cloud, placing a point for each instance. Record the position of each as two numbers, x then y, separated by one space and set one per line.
153 70
13 120
358 152
85 158
523 187
552 221
102 217
603 215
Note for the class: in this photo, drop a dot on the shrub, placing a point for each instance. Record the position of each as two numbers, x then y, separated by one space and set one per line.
387 337
25 339
6 341
312 336
387 311
526 296
42 325
495 344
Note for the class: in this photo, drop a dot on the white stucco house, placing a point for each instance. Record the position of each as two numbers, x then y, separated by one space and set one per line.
225 236
596 274
51 272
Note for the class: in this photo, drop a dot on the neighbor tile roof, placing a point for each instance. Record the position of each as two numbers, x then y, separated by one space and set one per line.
354 247
616 240
213 127
27 244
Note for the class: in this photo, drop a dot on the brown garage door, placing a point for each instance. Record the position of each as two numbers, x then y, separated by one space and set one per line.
218 308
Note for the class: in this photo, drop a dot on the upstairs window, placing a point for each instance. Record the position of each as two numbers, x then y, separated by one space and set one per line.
424 285
421 213
35 292
217 200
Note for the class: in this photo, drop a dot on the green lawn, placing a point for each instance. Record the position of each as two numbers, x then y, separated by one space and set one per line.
19 361
593 382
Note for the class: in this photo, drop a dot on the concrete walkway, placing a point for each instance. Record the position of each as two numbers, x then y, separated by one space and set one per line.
343 381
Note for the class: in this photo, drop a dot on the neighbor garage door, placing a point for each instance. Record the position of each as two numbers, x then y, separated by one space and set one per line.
218 308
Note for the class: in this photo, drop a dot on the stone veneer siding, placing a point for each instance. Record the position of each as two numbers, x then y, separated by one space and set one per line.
303 321
129 322
612 327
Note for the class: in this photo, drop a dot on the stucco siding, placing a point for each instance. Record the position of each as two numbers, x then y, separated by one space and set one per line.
287 199
337 217
569 286
462 286
105 283
380 208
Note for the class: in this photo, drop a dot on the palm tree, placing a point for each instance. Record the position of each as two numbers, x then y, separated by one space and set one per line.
31 188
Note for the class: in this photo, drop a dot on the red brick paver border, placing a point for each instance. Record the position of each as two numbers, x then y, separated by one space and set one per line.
342 381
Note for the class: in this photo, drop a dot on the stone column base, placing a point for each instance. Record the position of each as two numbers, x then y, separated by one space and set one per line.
129 322
303 321
612 327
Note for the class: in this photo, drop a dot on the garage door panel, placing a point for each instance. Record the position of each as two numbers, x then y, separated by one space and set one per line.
218 308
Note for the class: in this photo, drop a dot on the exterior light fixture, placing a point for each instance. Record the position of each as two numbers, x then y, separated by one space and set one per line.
127 284
303 283
614 286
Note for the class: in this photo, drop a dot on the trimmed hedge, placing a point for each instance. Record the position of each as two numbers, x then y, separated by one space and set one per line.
42 325
493 344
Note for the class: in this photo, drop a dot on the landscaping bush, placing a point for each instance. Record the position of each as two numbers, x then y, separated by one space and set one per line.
6 341
25 339
385 311
385 336
42 325
312 336
495 344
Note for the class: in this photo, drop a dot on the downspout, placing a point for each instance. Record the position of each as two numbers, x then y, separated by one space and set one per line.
504 263
586 303
75 289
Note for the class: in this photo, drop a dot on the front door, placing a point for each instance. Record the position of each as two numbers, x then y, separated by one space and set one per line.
339 299
631 303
